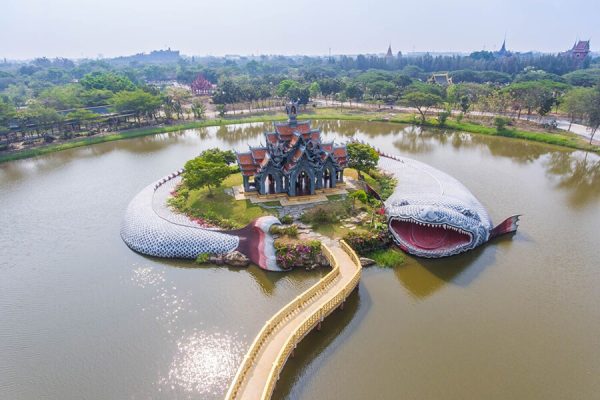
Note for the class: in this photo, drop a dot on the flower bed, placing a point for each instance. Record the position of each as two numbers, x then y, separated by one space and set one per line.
301 253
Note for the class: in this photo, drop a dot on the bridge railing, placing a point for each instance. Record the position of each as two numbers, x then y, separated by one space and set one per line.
312 320
282 315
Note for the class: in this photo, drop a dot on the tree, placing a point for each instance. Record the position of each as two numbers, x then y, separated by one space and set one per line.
106 80
96 97
178 97
361 157
353 92
208 170
81 114
593 112
137 102
61 97
501 123
293 90
219 156
421 101
221 109
314 89
359 195
575 103
7 112
198 108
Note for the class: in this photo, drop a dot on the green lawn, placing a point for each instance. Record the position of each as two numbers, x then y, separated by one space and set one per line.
241 212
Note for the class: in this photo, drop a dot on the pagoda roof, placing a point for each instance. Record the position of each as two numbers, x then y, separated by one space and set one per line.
286 130
297 140
341 155
582 45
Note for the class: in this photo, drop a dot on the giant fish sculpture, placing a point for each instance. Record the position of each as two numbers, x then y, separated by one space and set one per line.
430 214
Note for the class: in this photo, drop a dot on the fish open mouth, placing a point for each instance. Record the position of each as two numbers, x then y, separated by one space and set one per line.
429 237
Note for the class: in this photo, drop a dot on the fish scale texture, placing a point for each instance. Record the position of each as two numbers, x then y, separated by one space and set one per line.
149 231
431 197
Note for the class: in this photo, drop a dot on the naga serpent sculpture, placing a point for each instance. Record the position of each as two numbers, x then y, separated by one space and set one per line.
430 214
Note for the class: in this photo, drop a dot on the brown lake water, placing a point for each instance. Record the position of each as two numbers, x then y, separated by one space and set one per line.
84 317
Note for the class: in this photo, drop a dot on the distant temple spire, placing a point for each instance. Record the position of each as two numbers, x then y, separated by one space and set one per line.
389 57
502 52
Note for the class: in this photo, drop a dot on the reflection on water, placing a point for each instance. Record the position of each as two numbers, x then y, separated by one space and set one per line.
414 140
238 134
203 364
577 173
167 303
423 277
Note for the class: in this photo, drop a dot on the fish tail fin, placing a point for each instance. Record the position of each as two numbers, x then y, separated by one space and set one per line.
509 225
257 243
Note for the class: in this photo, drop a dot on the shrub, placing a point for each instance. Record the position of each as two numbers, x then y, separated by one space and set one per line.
296 254
327 213
291 230
386 183
443 117
286 219
365 242
202 258
501 123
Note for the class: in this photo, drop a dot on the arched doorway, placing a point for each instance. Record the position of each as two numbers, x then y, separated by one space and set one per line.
329 178
270 184
304 185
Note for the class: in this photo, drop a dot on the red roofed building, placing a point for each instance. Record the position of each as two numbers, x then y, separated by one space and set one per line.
579 52
293 161
201 86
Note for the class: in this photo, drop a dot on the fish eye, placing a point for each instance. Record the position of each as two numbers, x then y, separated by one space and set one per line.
469 213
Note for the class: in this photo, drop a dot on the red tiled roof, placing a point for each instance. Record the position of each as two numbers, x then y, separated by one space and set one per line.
303 127
339 152
258 158
265 161
271 137
286 130
297 154
340 155
294 140
245 159
258 154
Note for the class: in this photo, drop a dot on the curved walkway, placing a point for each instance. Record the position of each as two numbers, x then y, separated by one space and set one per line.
257 376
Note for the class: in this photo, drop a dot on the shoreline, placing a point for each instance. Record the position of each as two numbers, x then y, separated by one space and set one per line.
567 140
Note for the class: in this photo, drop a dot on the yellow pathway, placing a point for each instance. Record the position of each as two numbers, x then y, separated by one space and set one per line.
260 369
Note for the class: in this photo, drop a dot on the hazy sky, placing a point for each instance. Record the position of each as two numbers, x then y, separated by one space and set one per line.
88 28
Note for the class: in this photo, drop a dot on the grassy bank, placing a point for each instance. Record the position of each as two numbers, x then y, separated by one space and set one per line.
560 139
132 133
220 206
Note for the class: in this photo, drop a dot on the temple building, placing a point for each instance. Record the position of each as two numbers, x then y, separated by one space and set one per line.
293 161
580 50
